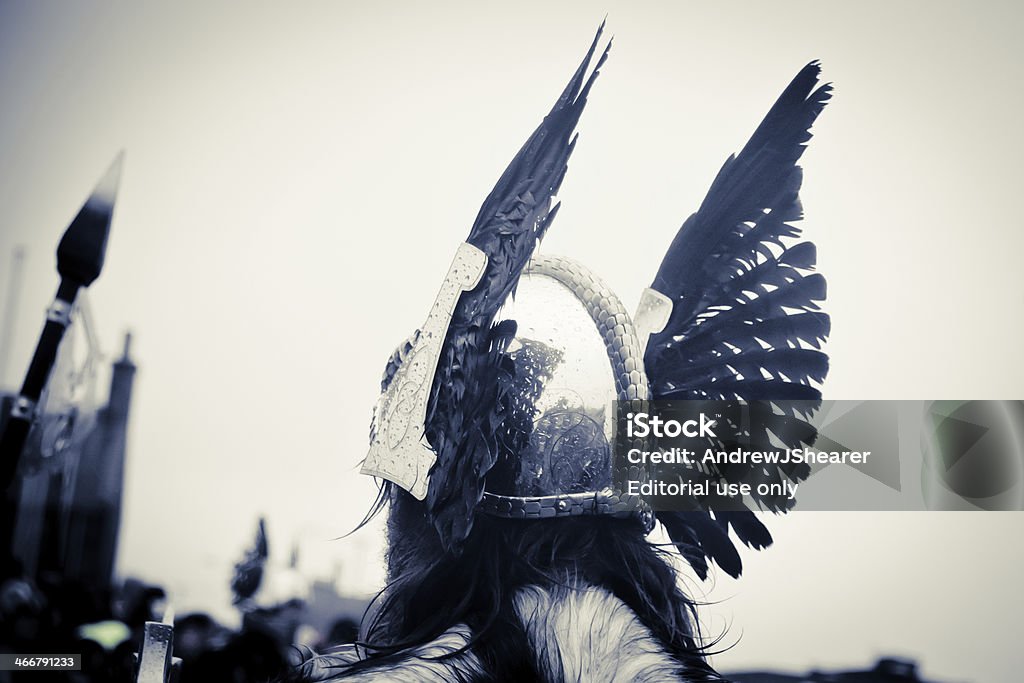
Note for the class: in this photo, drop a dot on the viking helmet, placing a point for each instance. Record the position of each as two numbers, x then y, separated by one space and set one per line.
501 402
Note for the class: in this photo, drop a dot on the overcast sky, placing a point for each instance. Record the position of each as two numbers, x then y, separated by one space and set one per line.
298 176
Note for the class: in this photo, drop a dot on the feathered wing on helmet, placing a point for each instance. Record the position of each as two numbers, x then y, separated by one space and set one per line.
744 322
464 411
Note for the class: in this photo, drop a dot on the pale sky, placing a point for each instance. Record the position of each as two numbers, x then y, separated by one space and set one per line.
298 176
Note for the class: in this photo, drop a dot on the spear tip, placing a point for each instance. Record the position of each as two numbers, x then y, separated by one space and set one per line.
81 251
106 189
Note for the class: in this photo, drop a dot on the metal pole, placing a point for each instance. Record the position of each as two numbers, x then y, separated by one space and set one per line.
10 310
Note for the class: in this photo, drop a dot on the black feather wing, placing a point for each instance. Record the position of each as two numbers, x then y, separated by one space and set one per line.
465 410
745 322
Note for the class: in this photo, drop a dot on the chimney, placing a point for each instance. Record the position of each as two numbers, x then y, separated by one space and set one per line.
121 381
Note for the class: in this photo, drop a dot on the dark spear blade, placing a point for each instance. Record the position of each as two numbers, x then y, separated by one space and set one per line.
81 250
79 262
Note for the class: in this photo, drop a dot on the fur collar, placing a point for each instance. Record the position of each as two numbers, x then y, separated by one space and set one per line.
590 635
584 634
420 665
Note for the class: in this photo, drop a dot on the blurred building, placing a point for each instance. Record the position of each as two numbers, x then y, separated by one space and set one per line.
68 487
886 670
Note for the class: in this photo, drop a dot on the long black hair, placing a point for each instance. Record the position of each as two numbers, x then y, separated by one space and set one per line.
430 590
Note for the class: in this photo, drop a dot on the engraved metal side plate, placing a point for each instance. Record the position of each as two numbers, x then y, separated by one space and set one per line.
399 451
